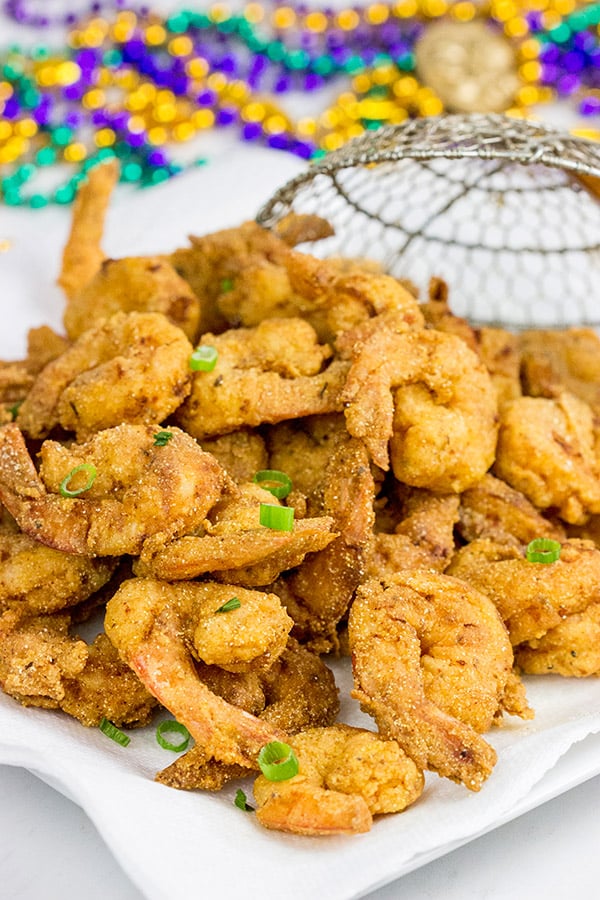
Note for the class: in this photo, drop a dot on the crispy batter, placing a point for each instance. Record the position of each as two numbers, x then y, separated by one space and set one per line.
42 665
571 648
264 374
555 361
133 367
241 453
346 776
234 546
144 620
140 489
531 597
431 659
134 284
82 256
43 346
546 451
500 352
492 509
429 396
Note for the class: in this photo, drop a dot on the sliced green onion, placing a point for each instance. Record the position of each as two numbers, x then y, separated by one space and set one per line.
161 438
280 518
234 603
204 358
226 285
277 761
240 801
14 409
170 726
114 733
543 550
64 488
278 483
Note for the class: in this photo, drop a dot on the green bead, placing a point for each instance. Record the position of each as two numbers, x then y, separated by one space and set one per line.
131 172
406 62
24 173
37 201
353 65
323 65
46 156
61 136
64 194
112 57
276 51
298 59
561 33
12 198
178 23
40 53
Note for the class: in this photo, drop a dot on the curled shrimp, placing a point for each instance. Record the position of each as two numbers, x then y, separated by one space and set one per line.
141 488
147 621
427 395
432 662
346 776
133 367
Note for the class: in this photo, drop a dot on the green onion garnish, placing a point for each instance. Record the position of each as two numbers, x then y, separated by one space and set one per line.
204 358
277 761
240 801
14 409
543 550
278 483
161 438
113 732
234 603
226 285
170 726
64 488
280 518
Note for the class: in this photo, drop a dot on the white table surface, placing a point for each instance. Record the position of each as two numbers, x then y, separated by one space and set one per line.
49 848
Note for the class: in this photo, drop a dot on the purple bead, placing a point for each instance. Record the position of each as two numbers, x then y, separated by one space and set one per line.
312 81
100 118
157 158
282 85
73 92
550 53
534 20
136 140
227 115
118 120
251 131
206 98
568 84
73 119
278 141
590 106
12 108
86 59
573 62
549 74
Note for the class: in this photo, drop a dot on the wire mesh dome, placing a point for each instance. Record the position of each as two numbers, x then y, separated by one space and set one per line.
507 211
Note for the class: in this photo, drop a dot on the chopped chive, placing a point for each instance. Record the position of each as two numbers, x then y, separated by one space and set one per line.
234 603
543 550
114 733
278 483
226 285
240 801
14 409
170 726
204 358
277 761
161 438
279 518
64 488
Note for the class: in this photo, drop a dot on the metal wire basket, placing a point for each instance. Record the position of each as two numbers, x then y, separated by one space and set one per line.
507 211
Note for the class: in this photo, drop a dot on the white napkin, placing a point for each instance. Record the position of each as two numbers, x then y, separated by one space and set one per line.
176 843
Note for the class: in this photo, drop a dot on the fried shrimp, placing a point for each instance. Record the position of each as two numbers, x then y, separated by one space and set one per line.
431 661
555 361
571 649
346 776
234 546
146 621
428 396
140 489
134 284
264 374
41 664
492 509
546 451
130 368
531 597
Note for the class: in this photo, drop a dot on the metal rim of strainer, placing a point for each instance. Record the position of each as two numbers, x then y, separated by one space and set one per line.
452 136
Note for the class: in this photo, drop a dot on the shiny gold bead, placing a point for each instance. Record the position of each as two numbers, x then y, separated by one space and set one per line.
253 112
348 19
75 152
104 137
203 118
376 14
197 67
26 128
157 136
93 99
182 45
283 17
316 21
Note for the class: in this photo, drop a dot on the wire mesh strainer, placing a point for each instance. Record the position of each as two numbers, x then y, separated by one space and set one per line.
505 210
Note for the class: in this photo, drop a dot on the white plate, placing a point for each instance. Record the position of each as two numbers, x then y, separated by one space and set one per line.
143 822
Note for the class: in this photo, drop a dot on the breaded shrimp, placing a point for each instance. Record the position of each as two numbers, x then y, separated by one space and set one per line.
41 664
141 489
546 451
133 367
531 597
555 361
428 396
346 776
492 509
269 373
571 648
146 621
233 545
241 453
134 284
431 660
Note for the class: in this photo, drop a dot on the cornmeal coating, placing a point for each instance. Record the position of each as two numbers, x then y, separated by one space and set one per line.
546 451
269 373
133 367
555 361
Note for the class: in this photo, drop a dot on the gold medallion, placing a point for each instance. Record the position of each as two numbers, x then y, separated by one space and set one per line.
470 67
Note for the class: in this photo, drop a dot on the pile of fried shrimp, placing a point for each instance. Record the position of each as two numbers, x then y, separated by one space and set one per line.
249 460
